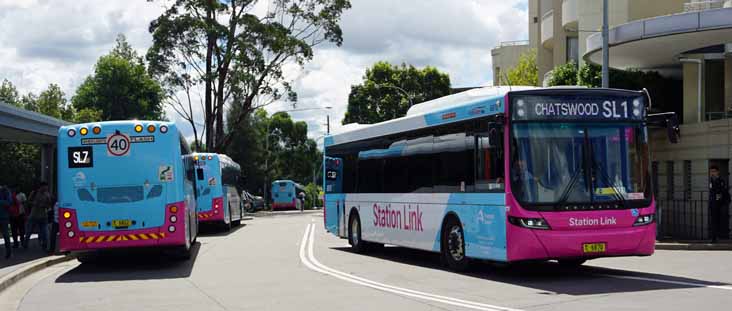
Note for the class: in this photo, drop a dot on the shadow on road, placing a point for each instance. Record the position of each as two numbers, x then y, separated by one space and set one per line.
132 265
206 230
548 277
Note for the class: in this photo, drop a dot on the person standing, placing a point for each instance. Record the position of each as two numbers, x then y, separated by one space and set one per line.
6 200
18 224
40 204
54 230
718 204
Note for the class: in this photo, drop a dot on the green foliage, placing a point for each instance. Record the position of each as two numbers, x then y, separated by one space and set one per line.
565 74
52 102
121 88
525 73
590 75
86 115
291 155
8 93
21 165
236 57
312 196
388 90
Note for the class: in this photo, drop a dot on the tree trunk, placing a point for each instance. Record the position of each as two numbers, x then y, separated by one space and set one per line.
208 118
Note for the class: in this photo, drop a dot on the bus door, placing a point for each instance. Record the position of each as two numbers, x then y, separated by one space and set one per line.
334 199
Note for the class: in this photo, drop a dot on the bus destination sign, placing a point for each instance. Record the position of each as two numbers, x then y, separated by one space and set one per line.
575 108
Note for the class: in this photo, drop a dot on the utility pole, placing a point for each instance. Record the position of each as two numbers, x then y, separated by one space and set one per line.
327 124
605 48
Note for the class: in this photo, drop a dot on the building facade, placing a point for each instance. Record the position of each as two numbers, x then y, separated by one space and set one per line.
687 41
505 57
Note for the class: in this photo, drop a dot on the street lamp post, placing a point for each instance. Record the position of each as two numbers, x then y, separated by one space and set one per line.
266 147
403 91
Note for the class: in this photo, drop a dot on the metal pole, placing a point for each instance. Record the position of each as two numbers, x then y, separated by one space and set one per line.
605 48
266 163
327 124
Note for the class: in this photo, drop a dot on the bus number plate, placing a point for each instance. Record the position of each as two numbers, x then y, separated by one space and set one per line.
590 248
121 223
81 157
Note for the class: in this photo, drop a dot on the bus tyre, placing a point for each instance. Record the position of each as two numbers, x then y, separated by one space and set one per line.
453 246
571 263
354 234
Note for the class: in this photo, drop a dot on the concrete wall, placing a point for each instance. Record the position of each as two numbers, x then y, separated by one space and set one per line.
641 9
504 59
691 97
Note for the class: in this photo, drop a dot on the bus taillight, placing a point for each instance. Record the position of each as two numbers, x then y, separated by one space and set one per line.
163 129
71 132
97 130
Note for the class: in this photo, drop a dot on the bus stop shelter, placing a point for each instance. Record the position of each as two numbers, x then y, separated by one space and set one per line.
22 126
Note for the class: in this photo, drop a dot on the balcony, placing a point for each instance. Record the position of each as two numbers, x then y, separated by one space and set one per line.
547 29
696 6
570 17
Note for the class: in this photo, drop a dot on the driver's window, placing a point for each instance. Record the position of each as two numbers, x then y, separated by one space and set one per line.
489 175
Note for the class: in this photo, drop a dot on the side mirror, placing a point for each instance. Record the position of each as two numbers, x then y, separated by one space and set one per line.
670 121
495 134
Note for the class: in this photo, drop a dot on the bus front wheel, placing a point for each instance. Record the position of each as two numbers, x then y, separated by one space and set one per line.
453 245
354 234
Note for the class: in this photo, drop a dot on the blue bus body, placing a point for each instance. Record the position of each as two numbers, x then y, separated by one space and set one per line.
125 184
218 197
284 194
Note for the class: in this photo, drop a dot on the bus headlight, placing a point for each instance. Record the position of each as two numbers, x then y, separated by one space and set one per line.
643 220
171 228
68 224
531 223
70 234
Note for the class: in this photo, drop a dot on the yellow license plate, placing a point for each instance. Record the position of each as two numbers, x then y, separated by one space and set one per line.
593 248
89 224
121 223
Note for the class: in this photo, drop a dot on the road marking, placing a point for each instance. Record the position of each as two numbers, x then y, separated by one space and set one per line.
313 264
639 278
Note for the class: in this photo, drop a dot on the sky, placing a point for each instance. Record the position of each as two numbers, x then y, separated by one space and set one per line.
49 41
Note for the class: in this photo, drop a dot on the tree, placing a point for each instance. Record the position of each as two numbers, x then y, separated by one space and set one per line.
8 93
525 73
52 102
234 56
388 90
120 88
291 154
565 74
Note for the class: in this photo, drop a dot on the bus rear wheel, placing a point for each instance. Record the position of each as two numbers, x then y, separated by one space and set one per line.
453 246
354 234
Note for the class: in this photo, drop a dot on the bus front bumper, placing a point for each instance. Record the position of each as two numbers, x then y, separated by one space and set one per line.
530 244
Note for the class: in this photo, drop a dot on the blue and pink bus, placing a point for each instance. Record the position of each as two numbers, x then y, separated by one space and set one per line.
125 184
285 195
217 179
501 174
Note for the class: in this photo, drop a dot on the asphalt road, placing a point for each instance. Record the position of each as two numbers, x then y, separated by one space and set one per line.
288 262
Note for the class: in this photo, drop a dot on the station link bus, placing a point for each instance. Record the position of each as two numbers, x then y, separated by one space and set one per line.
217 177
500 174
125 184
285 195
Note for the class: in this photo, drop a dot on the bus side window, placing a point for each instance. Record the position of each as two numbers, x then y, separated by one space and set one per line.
199 173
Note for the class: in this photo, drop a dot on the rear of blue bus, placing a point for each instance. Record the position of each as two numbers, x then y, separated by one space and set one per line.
210 193
283 195
122 184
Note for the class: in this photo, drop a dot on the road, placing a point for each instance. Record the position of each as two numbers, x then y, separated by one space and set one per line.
288 262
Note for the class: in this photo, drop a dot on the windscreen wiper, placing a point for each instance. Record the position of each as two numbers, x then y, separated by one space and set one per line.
603 174
565 194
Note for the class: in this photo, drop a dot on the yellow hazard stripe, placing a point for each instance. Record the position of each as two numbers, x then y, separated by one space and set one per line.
89 239
154 236
111 238
99 239
133 237
143 236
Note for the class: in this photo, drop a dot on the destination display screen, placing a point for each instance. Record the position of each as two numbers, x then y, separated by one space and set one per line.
577 108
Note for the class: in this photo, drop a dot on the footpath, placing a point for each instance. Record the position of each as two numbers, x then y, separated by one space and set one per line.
24 262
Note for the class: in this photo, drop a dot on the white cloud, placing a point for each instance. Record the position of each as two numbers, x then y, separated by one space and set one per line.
53 41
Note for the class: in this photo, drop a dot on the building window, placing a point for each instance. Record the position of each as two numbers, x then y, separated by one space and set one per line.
670 180
573 49
687 180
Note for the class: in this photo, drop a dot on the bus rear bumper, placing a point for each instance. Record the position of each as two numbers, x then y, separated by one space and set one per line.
72 239
527 244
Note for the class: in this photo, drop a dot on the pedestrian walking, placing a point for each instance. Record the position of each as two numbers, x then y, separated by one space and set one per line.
719 199
40 204
17 224
6 200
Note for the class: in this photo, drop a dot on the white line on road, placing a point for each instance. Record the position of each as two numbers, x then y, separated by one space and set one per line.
313 264
639 278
